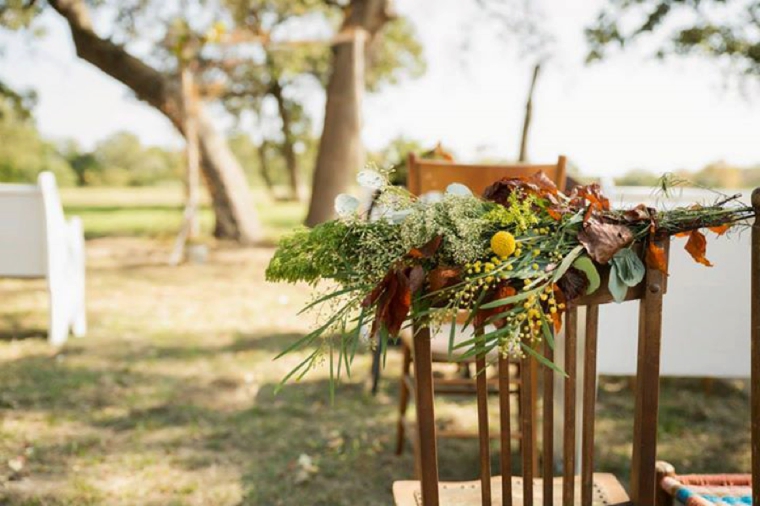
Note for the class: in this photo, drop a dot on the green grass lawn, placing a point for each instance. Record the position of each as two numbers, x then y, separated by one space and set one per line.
170 399
157 211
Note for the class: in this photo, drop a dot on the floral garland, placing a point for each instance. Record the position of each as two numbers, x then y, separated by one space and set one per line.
513 260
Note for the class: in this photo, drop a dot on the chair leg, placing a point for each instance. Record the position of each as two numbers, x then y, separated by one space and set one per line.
403 399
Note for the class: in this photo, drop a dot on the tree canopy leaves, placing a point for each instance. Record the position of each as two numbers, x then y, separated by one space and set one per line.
725 30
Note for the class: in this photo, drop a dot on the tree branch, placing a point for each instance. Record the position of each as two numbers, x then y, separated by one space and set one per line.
147 83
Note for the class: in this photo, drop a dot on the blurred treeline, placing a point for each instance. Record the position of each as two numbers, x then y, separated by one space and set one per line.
121 159
718 174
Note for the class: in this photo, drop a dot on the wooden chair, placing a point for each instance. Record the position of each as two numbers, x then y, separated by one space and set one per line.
426 175
590 488
435 175
694 489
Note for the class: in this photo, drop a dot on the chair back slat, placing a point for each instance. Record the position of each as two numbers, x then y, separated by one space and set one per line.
435 175
755 350
481 386
505 426
548 428
526 416
568 448
589 405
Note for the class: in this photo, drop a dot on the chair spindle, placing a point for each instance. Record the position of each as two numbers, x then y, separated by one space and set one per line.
526 413
505 414
548 428
589 403
568 450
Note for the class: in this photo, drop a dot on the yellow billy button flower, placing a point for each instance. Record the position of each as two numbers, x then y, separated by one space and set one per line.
503 244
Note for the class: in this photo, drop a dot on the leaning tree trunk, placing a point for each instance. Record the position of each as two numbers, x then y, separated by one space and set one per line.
236 216
340 147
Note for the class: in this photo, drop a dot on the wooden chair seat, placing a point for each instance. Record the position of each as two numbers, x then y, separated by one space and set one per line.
607 491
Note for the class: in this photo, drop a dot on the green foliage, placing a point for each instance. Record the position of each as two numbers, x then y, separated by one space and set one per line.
122 160
16 14
23 152
310 255
637 177
394 155
395 55
726 30
348 252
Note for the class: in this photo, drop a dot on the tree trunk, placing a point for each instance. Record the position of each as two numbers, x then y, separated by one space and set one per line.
287 148
236 216
340 147
528 115
264 168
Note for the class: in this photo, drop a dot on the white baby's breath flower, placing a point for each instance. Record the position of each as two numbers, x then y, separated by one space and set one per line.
346 205
371 179
431 197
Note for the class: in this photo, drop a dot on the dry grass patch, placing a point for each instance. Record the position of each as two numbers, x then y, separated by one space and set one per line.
170 398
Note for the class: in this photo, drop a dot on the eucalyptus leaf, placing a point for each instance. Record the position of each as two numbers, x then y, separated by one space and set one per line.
459 190
618 288
630 268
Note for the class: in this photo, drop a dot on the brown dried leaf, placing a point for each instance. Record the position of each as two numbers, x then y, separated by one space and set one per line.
537 184
573 283
638 214
428 250
720 229
416 278
603 240
442 277
501 291
373 296
697 247
656 258
398 304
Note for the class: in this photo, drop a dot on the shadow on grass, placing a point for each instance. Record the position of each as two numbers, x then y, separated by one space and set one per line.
125 409
19 334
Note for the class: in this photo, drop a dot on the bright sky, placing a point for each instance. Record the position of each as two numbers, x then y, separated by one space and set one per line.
628 112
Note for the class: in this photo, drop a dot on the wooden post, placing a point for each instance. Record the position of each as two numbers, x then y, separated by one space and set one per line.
190 230
755 347
647 395
528 115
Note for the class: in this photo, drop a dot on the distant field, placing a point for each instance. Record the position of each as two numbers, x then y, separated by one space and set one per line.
157 211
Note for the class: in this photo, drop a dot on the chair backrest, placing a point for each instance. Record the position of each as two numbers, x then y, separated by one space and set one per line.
649 294
435 175
33 228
